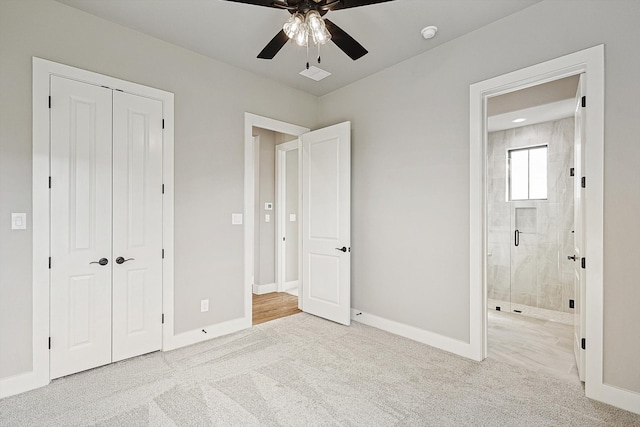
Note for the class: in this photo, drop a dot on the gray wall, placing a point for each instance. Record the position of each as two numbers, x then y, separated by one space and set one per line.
265 243
410 197
210 101
537 272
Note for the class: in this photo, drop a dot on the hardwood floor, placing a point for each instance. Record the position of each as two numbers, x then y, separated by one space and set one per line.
539 345
273 306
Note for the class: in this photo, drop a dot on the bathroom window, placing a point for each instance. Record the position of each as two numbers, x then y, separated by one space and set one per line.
528 173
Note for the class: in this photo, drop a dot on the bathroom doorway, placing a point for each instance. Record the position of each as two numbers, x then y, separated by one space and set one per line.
530 227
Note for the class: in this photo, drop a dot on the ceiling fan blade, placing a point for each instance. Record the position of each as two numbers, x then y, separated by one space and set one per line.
344 41
347 4
265 3
274 46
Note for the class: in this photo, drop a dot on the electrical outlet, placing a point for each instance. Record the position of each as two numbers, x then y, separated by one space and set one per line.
204 305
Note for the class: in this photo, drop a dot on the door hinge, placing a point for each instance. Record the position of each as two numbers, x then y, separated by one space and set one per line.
49 101
162 123
572 304
583 343
583 262
572 172
162 188
163 254
163 318
584 101
49 343
49 263
49 182
583 182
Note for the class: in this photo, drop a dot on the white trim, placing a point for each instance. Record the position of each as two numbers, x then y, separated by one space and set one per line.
591 62
293 284
203 334
265 289
42 70
451 345
251 121
281 210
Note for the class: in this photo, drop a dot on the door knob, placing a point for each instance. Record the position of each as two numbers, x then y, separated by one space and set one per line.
102 261
121 260
571 257
343 249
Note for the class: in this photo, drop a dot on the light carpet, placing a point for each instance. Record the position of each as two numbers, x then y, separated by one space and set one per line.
305 371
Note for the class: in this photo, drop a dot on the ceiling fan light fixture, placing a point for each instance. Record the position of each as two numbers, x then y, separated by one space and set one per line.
292 26
302 36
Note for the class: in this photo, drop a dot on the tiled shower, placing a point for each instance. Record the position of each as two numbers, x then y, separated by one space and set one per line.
528 271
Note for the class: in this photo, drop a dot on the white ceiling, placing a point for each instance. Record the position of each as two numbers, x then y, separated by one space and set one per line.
235 33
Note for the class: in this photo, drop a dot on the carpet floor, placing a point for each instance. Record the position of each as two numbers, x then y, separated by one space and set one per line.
305 371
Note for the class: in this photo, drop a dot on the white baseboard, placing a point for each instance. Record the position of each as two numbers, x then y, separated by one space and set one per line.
264 289
290 285
21 383
208 332
625 399
442 342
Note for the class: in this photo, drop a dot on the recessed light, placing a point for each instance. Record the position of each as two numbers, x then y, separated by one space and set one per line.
520 120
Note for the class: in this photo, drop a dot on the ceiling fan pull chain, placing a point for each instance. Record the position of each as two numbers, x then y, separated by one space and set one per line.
319 60
307 56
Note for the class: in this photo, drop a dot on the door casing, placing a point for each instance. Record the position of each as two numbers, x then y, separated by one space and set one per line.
281 212
591 62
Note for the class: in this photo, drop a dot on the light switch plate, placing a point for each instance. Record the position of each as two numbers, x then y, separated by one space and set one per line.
292 217
18 221
267 218
236 219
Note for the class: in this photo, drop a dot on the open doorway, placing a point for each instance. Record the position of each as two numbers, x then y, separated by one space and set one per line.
275 269
531 291
590 63
324 224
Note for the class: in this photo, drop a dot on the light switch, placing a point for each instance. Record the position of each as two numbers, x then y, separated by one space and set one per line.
236 219
18 221
292 217
267 218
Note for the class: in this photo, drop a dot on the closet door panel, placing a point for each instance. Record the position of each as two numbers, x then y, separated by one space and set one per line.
137 225
80 323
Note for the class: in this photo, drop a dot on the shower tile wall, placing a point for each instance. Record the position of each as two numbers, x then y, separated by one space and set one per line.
545 278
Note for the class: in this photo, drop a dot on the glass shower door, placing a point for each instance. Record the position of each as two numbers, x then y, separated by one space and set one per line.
524 260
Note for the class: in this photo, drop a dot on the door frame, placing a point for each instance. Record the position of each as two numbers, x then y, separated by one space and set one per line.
281 211
591 62
251 121
42 70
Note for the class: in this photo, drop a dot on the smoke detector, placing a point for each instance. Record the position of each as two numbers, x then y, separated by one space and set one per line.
429 32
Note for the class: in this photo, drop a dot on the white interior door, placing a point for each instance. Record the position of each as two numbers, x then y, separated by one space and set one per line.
137 225
578 252
326 223
81 134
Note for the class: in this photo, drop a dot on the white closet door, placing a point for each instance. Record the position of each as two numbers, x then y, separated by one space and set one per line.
81 226
137 225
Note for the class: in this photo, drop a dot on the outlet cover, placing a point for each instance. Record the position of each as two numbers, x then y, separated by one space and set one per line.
204 305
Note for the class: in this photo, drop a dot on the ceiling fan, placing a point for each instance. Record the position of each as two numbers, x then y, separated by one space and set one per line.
306 23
